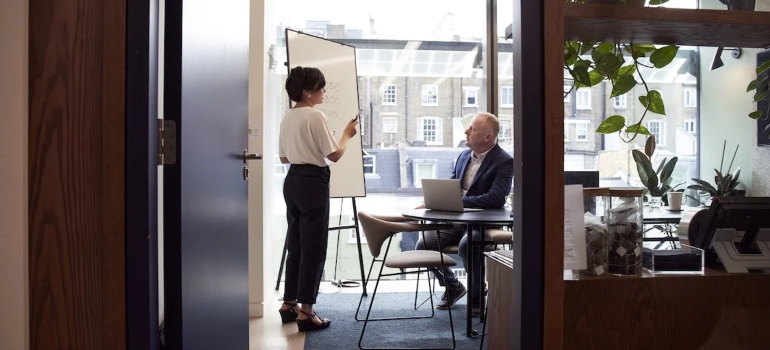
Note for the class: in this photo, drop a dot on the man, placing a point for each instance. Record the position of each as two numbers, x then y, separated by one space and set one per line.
485 172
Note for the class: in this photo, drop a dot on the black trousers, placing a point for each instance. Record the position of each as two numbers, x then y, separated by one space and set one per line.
306 193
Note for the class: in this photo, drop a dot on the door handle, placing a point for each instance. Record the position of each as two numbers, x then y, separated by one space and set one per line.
250 156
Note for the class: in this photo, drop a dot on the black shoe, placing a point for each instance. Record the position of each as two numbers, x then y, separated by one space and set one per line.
450 297
288 315
308 324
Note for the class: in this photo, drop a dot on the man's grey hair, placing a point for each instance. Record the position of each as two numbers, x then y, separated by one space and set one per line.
491 121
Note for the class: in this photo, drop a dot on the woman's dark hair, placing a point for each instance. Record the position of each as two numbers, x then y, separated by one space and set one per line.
304 78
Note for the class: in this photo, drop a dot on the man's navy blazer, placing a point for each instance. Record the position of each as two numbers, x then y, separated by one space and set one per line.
492 182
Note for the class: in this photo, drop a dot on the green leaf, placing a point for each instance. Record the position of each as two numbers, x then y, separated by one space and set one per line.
655 104
658 2
663 56
765 66
612 124
644 168
756 115
580 73
627 70
753 84
668 169
759 96
623 85
649 146
595 77
586 46
605 48
608 63
638 129
660 166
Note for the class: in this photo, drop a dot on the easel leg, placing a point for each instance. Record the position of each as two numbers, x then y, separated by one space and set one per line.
358 241
283 260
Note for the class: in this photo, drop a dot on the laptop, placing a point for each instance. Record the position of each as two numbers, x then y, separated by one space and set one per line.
444 195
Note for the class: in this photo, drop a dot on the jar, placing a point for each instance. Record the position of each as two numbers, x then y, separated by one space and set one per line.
624 223
595 202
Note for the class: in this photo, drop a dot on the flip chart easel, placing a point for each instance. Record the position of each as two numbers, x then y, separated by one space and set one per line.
333 228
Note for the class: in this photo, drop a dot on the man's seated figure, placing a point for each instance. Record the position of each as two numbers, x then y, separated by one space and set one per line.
485 172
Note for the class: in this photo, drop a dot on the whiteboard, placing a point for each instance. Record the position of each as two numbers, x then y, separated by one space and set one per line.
338 64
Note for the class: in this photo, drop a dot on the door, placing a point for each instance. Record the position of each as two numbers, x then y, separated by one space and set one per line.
205 190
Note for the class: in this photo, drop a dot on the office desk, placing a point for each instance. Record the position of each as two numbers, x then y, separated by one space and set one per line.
480 219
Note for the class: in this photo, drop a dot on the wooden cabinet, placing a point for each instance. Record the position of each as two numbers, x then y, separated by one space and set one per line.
580 311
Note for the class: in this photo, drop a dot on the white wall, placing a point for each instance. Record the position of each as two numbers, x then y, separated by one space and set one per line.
14 289
724 109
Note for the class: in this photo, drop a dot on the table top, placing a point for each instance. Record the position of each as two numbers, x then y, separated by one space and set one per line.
661 216
486 216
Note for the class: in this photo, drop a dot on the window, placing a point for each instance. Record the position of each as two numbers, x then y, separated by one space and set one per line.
689 126
429 130
389 125
690 96
583 98
620 102
506 132
430 95
471 96
389 95
658 129
423 169
567 94
370 164
581 132
506 96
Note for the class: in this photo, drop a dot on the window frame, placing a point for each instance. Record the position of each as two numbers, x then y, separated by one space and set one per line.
426 89
395 124
579 103
660 139
466 91
690 95
439 130
504 96
620 102
386 95
690 126
373 166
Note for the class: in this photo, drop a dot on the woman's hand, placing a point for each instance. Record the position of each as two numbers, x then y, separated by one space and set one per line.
350 129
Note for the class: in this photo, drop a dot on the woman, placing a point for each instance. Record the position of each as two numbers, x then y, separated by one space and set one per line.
306 142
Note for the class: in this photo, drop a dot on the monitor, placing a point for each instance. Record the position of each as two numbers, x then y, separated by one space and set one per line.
745 214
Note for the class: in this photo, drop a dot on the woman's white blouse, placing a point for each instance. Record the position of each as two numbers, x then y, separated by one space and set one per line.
305 137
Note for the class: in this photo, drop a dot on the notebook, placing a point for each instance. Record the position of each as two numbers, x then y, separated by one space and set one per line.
444 195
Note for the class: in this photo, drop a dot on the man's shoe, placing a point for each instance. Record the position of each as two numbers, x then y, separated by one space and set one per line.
450 297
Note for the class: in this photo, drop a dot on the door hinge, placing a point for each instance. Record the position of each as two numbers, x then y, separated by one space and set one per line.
166 142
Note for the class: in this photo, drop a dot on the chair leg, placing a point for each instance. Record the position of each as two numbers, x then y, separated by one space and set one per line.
417 289
368 277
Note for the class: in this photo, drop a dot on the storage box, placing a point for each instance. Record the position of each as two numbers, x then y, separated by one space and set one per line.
672 258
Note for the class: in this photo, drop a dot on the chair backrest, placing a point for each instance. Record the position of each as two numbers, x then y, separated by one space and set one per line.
376 232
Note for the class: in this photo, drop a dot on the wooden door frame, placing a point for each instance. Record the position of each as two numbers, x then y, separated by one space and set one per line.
91 234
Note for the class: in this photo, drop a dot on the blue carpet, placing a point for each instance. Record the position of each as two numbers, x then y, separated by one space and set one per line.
427 333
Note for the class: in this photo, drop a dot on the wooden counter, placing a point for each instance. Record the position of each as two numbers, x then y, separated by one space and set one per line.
714 310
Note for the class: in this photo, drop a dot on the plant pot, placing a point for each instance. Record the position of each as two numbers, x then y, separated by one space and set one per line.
742 5
632 3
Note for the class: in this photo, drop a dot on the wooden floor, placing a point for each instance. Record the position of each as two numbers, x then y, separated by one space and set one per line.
268 333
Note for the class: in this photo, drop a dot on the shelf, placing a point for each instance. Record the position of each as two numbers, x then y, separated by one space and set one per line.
650 25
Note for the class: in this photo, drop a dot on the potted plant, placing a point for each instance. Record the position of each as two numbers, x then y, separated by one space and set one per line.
656 182
725 182
618 63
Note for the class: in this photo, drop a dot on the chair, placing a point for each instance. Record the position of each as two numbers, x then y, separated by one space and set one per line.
377 233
